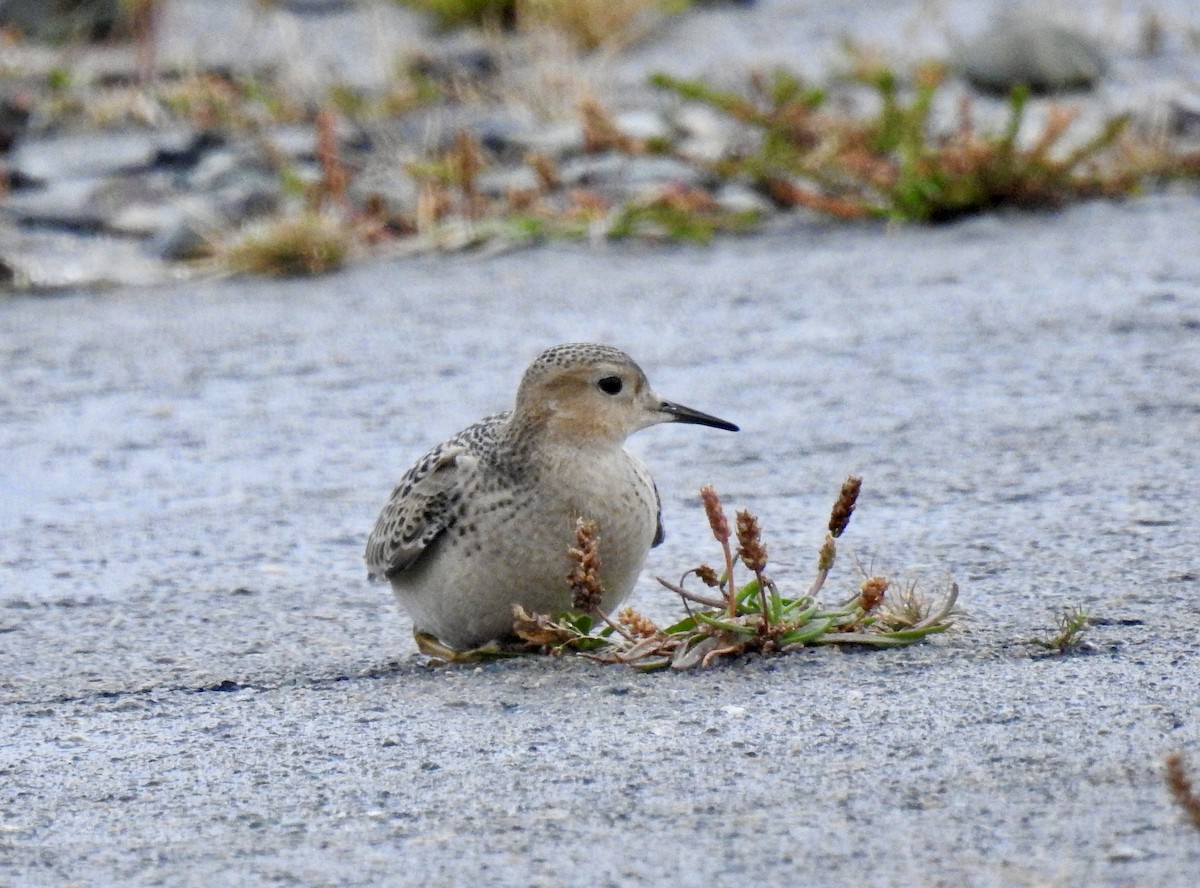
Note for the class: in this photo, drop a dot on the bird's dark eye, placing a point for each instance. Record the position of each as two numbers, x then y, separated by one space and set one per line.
610 385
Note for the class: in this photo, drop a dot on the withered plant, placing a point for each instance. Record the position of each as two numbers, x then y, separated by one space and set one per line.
1182 789
731 619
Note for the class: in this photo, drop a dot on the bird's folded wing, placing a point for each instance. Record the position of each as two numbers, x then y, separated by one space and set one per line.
423 506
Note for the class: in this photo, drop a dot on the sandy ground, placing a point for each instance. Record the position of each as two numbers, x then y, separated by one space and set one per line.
197 686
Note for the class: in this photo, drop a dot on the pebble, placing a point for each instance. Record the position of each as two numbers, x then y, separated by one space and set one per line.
94 154
1023 46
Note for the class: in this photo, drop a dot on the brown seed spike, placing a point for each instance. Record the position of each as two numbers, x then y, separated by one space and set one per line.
586 590
872 592
708 576
638 625
716 515
844 507
827 554
1182 789
750 546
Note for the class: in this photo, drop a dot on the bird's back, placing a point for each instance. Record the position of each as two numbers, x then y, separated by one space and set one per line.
429 499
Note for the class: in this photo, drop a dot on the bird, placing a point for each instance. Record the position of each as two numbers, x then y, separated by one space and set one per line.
484 520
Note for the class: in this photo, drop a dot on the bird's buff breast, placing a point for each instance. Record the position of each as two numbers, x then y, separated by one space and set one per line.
456 592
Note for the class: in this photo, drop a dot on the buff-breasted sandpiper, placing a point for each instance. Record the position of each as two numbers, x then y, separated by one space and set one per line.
485 519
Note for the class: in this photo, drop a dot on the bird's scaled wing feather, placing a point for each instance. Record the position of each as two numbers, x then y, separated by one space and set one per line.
422 507
659 533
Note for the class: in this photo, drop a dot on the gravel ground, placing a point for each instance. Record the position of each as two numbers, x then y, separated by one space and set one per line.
197 686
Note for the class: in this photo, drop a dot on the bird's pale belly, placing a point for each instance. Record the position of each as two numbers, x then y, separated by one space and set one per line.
464 590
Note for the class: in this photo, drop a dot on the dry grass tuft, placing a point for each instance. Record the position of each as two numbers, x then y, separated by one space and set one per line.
1182 789
752 618
586 590
306 244
895 165
1067 636
589 24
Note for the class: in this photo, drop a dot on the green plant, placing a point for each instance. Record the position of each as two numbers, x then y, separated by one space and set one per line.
1069 626
895 165
728 619
587 23
306 244
679 213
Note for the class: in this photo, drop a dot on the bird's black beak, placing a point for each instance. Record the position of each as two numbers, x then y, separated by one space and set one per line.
679 413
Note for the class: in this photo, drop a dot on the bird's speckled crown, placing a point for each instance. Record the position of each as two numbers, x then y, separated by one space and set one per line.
576 354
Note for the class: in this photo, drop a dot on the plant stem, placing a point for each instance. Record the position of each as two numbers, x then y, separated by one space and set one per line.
692 596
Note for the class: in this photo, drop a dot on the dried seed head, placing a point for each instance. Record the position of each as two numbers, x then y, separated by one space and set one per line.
547 173
643 627
844 507
827 553
600 132
1182 789
750 546
716 515
586 590
708 576
872 592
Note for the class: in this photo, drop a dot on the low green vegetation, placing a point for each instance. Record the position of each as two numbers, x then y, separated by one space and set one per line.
791 146
1069 627
587 23
307 243
896 165
726 618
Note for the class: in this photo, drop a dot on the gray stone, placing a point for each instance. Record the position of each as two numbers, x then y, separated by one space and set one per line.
94 154
189 238
225 165
734 197
642 124
1022 46
707 135
56 20
507 180
43 260
299 140
390 186
555 140
67 203
140 205
248 199
613 169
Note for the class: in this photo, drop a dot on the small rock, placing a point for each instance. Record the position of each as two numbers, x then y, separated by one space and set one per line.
69 204
735 198
468 67
299 141
555 140
93 154
1022 46
600 170
707 134
55 20
188 151
53 261
182 242
241 201
643 125
140 206
508 180
1183 116
389 186
317 7
14 116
